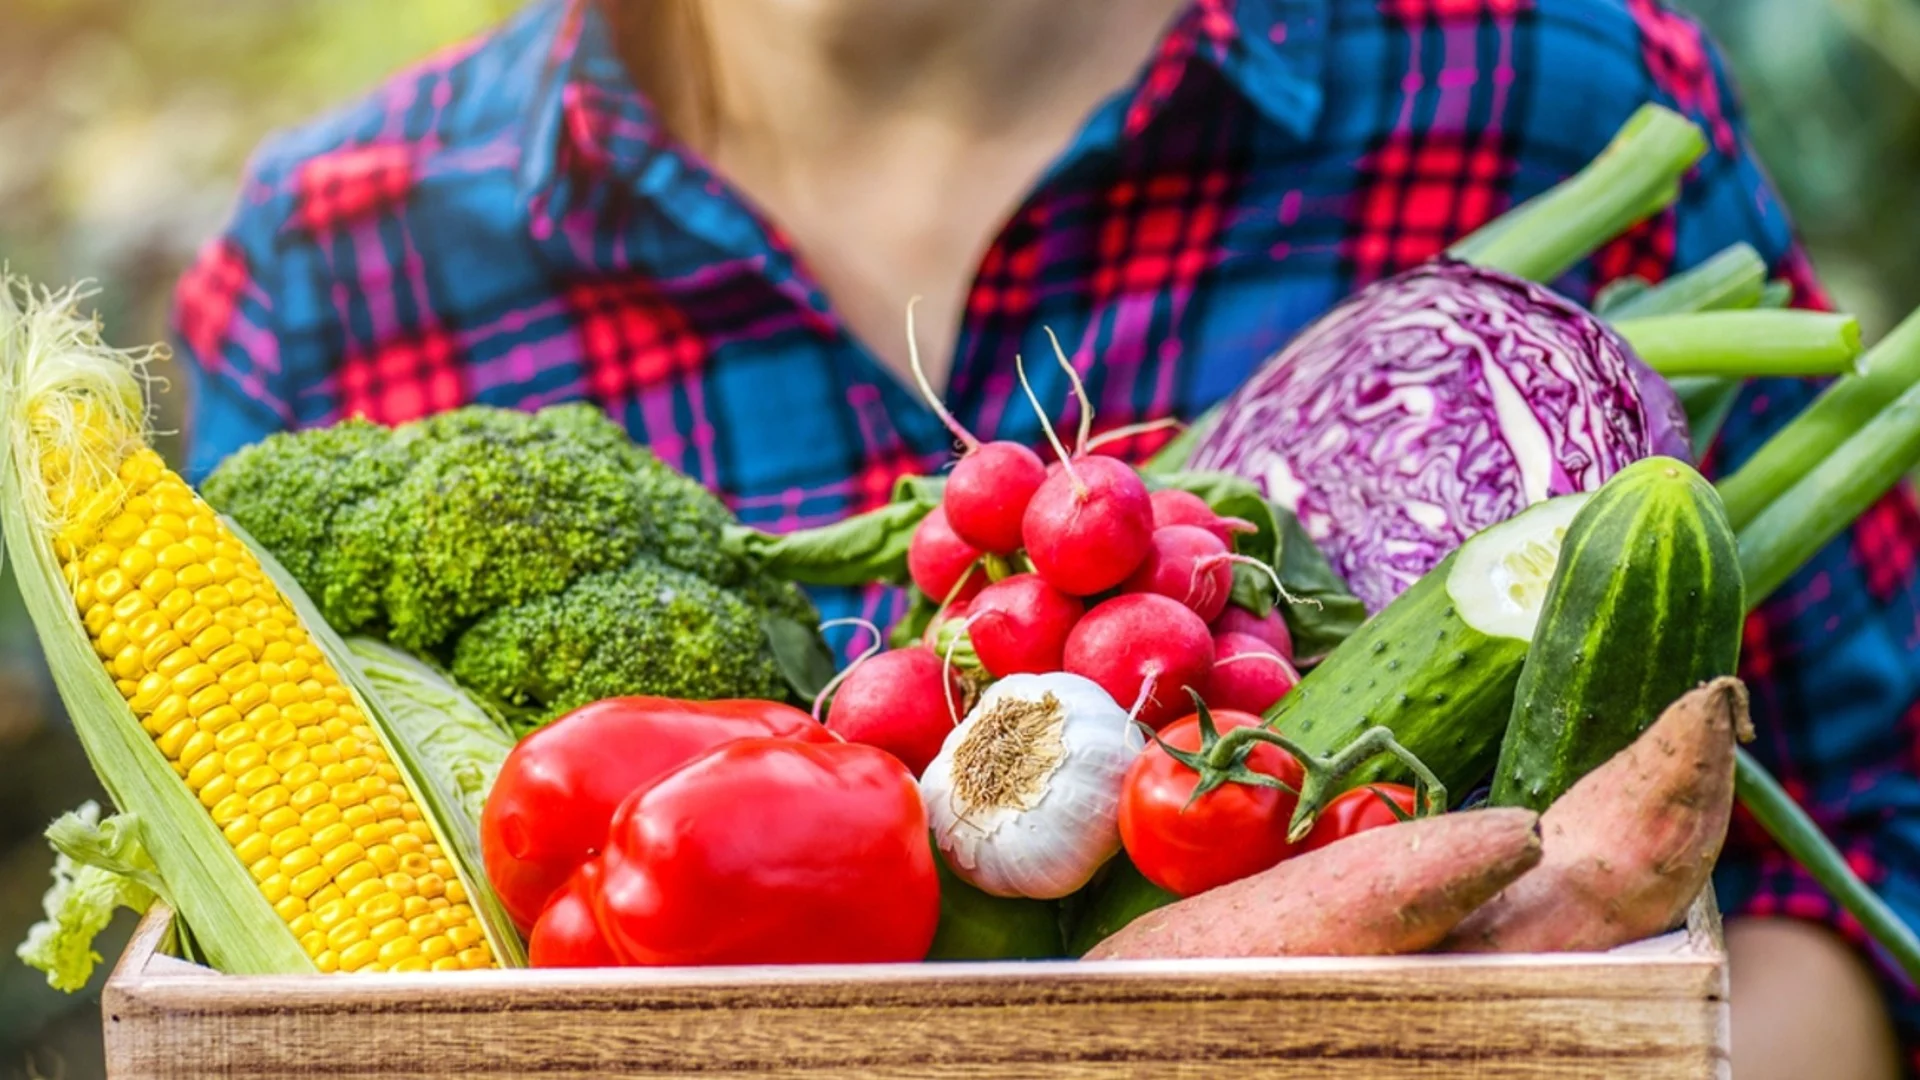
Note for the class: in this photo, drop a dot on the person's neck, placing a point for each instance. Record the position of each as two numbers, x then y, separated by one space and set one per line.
803 76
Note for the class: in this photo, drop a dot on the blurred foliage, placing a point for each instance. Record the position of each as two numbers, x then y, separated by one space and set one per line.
124 126
1832 89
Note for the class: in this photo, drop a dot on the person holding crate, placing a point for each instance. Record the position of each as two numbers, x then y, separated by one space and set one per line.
707 218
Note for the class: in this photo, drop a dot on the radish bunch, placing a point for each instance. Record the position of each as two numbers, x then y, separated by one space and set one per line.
1073 567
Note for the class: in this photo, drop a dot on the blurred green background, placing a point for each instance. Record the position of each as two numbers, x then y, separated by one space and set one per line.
123 128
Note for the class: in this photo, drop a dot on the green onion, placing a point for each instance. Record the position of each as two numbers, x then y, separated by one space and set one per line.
1892 366
1803 842
1733 279
1752 344
1829 495
1635 177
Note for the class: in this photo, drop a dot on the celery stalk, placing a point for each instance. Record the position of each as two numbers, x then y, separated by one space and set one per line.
1753 344
1635 177
1892 366
1731 280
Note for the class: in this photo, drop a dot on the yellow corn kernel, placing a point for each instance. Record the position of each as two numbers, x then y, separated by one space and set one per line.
157 540
374 833
308 882
254 848
197 747
219 718
190 678
192 621
125 611
383 857
341 858
302 924
222 568
205 770
278 650
174 555
328 962
396 949
243 590
206 699
278 733
387 931
407 843
136 562
346 932
289 839
430 885
173 605
348 794
203 547
355 874
193 577
319 815
313 943
234 736
245 758
447 963
229 658
252 696
358 955
268 799
217 789
286 758
257 779
456 892
278 821
121 530
410 964
475 959
176 737
240 828
413 907
299 860
425 926
275 888
210 641
213 597
158 583
290 909
380 906
310 795
261 715
463 936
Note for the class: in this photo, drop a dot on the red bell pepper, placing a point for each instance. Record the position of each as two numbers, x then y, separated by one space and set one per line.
549 808
772 851
566 934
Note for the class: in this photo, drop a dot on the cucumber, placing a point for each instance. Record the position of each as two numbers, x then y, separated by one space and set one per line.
1438 665
1647 603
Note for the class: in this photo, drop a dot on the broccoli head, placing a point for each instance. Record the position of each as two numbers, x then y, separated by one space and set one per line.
646 629
546 555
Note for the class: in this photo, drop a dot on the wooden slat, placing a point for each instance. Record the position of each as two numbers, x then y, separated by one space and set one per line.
1632 1014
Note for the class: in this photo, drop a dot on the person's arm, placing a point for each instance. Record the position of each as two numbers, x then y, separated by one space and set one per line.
227 347
1833 659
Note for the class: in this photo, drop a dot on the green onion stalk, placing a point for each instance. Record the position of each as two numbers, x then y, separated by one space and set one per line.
1816 476
1746 343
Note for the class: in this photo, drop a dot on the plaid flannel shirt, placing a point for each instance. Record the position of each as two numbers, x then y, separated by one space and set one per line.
506 223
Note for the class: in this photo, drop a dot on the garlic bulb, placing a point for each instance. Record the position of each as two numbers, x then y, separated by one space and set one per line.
1024 796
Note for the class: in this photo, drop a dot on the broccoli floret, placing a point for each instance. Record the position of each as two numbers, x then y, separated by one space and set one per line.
296 493
496 509
648 629
454 535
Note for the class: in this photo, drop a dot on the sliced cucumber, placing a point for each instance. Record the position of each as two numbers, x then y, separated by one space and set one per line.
1438 665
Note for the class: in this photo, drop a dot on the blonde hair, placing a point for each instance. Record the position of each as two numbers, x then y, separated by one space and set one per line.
668 49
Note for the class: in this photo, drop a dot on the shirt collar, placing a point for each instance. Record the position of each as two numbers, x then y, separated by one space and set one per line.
589 121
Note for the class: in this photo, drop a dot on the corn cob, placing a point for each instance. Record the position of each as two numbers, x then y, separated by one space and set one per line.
235 693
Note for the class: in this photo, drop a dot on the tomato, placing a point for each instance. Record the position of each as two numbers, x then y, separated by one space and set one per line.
549 808
566 934
772 851
1357 811
1234 830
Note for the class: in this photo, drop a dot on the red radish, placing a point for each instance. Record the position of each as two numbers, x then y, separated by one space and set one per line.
1172 506
938 560
1249 675
1019 625
1144 649
1090 527
989 487
1188 564
1270 628
901 701
987 494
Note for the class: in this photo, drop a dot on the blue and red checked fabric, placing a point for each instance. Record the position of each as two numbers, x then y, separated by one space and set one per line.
506 223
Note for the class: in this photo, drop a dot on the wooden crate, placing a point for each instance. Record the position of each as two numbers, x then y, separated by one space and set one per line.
1655 1009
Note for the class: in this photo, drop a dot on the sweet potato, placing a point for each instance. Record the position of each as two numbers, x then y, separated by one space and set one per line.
1631 844
1394 889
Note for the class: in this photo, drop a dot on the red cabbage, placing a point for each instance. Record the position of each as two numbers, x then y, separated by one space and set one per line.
1431 405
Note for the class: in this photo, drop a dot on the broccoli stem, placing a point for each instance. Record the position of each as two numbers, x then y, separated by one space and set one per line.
1731 280
1840 417
1754 344
1636 176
